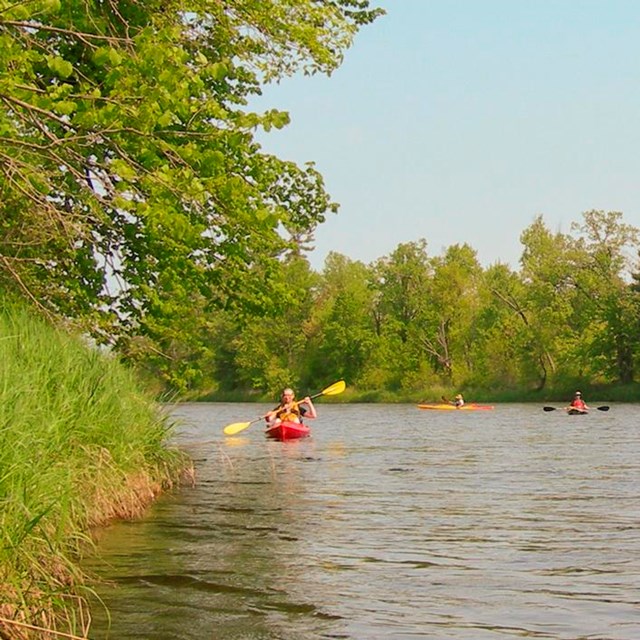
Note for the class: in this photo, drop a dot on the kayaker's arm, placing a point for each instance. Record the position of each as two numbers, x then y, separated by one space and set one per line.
272 415
312 413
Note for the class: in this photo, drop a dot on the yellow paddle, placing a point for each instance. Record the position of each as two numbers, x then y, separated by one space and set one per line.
237 427
332 390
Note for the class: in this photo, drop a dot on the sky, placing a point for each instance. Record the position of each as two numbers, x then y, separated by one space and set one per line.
461 121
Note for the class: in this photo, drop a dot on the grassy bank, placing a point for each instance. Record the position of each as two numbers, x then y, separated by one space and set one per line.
79 445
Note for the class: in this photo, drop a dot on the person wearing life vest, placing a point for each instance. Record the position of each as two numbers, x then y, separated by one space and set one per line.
578 402
291 410
459 401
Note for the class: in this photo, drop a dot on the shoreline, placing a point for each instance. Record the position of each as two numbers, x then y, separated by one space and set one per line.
81 445
140 492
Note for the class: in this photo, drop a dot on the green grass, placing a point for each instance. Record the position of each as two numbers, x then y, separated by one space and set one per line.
80 444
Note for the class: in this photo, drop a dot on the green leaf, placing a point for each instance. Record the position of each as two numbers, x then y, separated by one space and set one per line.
123 170
51 6
218 70
166 119
65 107
60 66
107 56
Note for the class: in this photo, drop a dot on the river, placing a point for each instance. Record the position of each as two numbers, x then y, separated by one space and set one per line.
390 522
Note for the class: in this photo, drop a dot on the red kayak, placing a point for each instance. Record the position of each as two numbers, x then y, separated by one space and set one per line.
287 431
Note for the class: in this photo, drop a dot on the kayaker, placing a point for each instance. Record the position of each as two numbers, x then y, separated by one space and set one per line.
578 402
459 401
290 409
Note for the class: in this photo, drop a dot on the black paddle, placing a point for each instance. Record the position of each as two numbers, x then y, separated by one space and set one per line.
603 408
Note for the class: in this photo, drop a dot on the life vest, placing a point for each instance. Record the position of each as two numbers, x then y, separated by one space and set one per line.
291 414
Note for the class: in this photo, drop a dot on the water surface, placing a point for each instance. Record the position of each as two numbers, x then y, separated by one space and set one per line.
389 523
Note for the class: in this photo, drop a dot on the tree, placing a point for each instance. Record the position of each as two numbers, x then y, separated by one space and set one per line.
272 351
579 308
550 345
500 330
602 277
441 328
342 328
399 282
131 187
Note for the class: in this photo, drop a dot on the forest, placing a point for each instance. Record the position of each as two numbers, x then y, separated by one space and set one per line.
412 322
139 210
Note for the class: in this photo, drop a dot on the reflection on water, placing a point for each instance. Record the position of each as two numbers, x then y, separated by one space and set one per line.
390 522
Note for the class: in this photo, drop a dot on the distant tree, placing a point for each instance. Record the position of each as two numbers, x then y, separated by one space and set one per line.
546 308
400 285
500 331
578 306
272 350
602 276
445 326
342 326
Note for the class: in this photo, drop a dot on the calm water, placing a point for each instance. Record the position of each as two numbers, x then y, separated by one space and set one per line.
389 523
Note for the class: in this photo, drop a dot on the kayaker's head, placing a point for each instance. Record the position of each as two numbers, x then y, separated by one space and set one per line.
578 394
459 396
288 395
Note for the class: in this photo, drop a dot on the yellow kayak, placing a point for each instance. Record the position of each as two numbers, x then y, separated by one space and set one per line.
440 406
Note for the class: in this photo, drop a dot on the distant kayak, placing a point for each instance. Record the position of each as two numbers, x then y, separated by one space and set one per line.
439 406
287 431
576 411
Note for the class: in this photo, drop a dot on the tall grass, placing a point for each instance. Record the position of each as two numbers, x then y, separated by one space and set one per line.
79 444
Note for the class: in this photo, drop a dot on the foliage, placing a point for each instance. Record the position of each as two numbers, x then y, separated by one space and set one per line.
343 334
132 191
410 322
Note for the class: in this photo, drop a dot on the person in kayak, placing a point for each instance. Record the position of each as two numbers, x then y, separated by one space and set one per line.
457 402
578 403
290 409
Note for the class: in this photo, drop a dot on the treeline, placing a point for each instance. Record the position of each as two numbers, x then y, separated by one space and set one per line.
411 321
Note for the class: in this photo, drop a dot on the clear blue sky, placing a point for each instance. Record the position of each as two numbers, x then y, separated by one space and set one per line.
461 120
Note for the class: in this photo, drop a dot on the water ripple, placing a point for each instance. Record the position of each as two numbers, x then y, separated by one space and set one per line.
510 524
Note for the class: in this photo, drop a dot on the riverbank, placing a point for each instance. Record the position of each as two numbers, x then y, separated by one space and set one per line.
80 445
559 393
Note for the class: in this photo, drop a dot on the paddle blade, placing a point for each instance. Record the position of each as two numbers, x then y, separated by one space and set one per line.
604 408
236 427
334 389
548 408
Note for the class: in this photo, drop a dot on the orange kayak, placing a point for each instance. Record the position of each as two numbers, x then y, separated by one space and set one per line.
449 407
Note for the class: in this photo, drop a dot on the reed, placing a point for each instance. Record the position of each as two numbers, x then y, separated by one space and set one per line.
80 444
